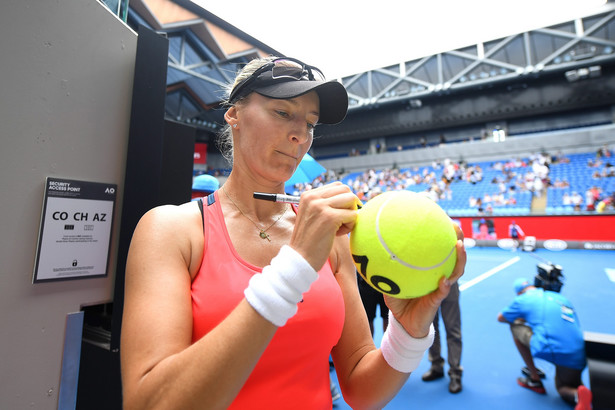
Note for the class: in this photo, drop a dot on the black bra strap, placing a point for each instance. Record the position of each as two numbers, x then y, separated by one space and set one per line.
210 201
200 204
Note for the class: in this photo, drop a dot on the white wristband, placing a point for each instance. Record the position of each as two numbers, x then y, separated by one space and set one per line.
400 350
275 292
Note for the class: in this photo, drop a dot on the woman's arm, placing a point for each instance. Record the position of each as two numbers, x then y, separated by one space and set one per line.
160 366
366 379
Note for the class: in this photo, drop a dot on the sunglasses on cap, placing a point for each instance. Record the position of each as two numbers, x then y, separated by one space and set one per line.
281 69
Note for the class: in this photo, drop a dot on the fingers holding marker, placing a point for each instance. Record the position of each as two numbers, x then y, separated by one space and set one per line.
323 213
341 205
334 189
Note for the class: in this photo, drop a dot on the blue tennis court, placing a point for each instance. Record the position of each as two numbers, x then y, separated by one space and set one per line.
490 360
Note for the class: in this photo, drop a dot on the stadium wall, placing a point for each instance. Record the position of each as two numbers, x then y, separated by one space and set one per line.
554 232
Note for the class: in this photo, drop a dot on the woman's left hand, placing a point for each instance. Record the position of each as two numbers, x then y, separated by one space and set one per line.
416 315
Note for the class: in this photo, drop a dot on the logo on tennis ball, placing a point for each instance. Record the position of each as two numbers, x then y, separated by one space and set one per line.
403 243
383 284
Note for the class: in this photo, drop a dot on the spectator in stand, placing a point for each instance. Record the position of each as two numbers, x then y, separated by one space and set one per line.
449 170
541 168
488 210
560 183
538 187
603 152
472 177
607 204
589 201
560 158
593 163
479 204
566 199
502 187
576 200
432 193
498 199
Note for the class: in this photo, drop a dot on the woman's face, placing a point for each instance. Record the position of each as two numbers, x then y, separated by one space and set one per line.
273 135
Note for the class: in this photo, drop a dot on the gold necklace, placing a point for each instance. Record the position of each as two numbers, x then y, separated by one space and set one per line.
261 232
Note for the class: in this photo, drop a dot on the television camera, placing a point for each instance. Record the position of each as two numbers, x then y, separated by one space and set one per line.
549 276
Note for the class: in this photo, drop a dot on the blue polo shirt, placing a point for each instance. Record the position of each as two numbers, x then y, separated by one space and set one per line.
557 335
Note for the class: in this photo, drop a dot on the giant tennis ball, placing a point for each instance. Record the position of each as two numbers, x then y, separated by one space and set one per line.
403 243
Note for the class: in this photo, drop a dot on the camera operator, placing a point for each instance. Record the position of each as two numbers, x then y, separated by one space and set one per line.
544 325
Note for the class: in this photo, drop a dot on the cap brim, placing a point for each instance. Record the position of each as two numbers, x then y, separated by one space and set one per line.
332 95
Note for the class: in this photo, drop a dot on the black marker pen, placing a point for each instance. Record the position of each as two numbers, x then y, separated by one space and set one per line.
291 199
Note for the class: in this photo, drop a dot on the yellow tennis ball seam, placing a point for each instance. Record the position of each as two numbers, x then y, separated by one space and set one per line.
393 255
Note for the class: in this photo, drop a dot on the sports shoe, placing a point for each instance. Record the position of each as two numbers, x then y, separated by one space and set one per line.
454 386
526 372
432 374
528 383
584 398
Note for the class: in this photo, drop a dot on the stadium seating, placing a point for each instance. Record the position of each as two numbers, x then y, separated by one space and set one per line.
573 175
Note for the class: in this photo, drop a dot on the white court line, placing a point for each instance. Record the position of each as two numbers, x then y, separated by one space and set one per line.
490 272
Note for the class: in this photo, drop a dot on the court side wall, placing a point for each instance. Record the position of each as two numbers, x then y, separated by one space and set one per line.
66 81
577 231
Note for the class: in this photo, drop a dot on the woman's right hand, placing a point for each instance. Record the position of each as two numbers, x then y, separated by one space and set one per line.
324 212
416 315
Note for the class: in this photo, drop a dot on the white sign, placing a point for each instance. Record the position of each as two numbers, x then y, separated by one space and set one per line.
75 232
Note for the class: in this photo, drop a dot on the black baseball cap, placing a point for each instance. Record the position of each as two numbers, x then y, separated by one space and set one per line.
294 81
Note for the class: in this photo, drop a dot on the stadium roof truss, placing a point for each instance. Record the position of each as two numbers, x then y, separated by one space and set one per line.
575 47
204 55
199 68
196 80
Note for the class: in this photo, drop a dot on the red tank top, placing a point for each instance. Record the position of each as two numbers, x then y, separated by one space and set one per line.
293 372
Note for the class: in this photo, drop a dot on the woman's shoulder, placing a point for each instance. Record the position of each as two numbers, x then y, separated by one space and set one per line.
172 213
172 229
171 220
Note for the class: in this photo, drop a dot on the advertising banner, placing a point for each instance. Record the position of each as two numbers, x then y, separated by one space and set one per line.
200 153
